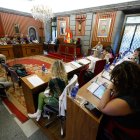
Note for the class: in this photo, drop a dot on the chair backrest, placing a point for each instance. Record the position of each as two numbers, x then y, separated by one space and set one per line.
99 66
63 96
14 76
81 76
6 67
2 90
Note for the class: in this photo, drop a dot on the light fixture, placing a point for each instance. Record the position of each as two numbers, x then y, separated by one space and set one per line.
42 13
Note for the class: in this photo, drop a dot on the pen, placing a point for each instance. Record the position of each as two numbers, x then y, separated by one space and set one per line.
95 80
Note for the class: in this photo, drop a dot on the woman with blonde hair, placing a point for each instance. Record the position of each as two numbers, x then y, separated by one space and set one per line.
55 87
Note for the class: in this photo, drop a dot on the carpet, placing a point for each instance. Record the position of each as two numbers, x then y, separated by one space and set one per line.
15 97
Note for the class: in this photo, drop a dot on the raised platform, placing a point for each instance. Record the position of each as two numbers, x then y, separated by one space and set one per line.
65 58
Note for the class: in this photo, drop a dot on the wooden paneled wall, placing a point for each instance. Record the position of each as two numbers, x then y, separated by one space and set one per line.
8 21
1 27
104 40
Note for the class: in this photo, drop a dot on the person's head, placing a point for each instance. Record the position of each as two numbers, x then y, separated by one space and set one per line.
137 53
99 43
125 78
58 70
107 50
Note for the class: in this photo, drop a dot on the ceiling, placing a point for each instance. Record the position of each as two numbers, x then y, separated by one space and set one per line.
57 6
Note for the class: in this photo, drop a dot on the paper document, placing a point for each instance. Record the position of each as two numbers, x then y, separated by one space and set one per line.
75 64
100 91
97 90
93 87
35 80
84 61
68 68
91 58
106 75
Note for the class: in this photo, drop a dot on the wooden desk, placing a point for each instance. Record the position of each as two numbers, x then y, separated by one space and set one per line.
49 47
32 49
70 49
17 49
80 123
31 93
7 50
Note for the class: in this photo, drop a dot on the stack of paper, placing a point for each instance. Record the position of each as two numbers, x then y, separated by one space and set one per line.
68 68
84 61
106 75
91 58
35 80
75 64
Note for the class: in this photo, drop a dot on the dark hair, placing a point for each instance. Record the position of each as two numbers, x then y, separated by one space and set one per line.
108 49
138 50
126 79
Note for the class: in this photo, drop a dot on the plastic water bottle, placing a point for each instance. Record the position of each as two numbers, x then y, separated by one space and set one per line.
75 59
114 61
43 68
107 66
74 90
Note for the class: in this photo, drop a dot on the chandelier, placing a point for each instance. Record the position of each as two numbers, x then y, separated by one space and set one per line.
42 13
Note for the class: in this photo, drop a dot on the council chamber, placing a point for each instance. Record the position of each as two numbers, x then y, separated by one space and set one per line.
70 75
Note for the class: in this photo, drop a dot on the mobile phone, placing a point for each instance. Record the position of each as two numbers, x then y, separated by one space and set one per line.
93 109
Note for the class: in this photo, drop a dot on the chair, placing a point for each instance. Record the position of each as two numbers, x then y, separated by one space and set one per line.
2 61
61 110
81 80
14 77
99 66
6 67
2 91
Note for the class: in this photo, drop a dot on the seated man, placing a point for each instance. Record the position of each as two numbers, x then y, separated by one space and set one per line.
99 49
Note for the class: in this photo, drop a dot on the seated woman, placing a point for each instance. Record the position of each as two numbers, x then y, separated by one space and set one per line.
107 53
121 104
56 86
136 56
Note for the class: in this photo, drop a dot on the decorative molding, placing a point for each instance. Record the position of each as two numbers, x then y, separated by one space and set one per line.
112 7
10 11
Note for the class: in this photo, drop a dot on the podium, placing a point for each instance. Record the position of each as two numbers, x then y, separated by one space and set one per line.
70 49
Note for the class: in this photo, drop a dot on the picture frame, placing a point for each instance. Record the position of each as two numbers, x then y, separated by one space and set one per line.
16 28
103 27
62 27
